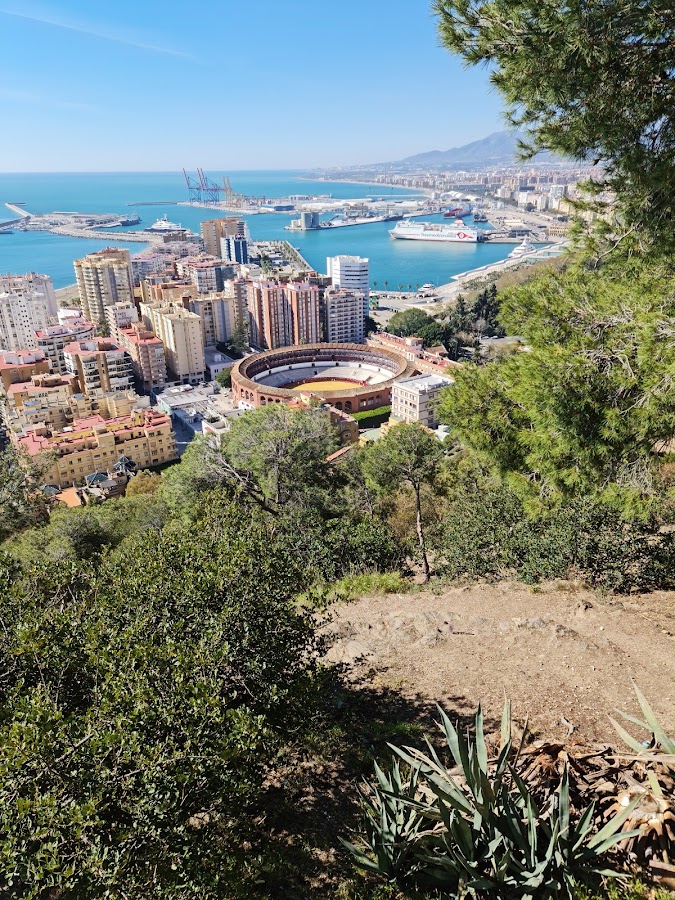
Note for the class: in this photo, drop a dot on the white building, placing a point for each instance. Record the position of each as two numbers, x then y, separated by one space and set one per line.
351 273
343 321
21 315
414 399
120 315
30 283
53 339
147 264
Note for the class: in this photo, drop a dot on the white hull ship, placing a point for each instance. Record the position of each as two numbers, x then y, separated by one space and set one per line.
163 226
458 232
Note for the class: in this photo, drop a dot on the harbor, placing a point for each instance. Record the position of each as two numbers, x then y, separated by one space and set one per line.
395 262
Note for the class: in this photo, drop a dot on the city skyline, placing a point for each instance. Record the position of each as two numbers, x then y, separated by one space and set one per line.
297 87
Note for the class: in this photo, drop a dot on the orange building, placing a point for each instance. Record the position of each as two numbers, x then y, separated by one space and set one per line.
94 444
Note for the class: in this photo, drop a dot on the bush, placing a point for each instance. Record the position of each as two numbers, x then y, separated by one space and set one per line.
488 534
351 587
142 701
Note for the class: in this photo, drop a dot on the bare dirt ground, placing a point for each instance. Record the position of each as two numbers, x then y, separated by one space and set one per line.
562 654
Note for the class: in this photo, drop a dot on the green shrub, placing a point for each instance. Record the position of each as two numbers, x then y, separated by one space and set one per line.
488 533
354 586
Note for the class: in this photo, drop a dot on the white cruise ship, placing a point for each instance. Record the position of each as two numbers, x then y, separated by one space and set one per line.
458 232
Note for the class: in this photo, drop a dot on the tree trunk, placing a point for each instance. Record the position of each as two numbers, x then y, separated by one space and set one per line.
420 534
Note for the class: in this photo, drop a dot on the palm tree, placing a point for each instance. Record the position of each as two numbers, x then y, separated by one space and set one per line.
409 287
385 283
400 288
374 285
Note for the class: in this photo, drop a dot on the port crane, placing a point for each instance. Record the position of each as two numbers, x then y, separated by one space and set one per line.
202 189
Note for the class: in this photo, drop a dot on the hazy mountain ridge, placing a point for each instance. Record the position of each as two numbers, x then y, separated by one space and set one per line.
498 148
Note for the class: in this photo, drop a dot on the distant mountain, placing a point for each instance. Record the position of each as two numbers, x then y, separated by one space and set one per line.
498 147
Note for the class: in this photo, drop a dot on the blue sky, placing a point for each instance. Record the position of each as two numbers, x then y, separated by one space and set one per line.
161 84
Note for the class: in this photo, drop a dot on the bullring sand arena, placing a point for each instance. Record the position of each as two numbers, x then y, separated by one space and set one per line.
351 377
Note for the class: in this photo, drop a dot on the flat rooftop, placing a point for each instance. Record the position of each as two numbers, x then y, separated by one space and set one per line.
424 383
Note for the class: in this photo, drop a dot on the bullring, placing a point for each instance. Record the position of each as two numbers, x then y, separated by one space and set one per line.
351 377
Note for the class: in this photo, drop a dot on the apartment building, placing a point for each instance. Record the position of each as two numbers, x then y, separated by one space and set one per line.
234 249
119 316
343 320
282 315
30 283
270 315
303 301
104 278
55 400
53 339
21 315
219 314
214 230
167 289
100 365
351 273
147 264
21 365
208 274
414 399
181 333
148 359
94 444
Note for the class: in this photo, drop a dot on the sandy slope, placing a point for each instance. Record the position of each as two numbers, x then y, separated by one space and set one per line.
557 652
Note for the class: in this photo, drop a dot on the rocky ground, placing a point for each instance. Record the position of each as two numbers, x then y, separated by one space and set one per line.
565 656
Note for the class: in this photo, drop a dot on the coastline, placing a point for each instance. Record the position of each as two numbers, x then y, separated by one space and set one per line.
427 192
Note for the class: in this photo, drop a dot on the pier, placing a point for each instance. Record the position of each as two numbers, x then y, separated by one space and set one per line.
21 213
144 237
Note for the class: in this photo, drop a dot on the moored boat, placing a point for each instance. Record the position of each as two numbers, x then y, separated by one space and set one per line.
458 232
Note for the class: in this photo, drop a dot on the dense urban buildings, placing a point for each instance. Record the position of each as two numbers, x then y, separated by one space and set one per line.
30 283
99 364
147 356
53 339
103 279
303 301
22 313
283 314
21 365
215 230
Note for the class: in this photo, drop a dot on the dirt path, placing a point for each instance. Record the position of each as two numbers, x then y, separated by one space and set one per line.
556 652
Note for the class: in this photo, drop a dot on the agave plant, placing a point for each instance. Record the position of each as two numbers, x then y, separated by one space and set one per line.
651 786
392 821
477 827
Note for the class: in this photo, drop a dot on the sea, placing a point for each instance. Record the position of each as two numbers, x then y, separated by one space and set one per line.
401 264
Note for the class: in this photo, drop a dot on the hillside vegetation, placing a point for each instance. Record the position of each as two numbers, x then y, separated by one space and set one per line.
170 724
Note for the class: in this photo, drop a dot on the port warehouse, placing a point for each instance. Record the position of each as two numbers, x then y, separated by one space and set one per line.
279 376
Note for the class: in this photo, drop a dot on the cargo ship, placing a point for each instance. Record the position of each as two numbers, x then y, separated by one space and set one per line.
458 232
